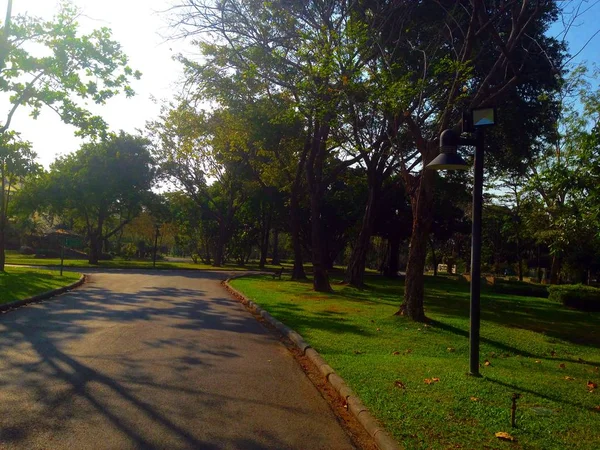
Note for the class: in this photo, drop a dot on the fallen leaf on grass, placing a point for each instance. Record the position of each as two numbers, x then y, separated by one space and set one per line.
474 399
562 365
450 349
357 352
431 380
487 363
395 353
435 379
427 381
538 361
552 353
596 408
378 329
399 384
504 436
591 385
408 350
569 378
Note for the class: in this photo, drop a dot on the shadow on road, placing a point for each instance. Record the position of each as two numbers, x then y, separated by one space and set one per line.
48 378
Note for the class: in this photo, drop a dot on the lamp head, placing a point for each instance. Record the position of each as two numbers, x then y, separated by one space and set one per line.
448 159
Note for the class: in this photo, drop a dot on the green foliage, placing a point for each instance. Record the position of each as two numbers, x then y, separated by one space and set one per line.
101 187
577 296
51 63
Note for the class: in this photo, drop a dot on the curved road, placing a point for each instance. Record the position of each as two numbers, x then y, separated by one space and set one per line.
153 360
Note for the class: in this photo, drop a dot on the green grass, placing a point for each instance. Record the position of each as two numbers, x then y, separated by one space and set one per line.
525 339
17 283
31 260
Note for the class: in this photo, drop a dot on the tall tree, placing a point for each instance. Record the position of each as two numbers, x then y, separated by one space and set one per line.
16 162
49 63
441 58
299 50
102 186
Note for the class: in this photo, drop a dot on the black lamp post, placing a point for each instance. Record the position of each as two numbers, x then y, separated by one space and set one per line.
449 160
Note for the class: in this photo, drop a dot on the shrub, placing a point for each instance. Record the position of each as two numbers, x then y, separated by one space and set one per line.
25 250
577 296
518 288
46 253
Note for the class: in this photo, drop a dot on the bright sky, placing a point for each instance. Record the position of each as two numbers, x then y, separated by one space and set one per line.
138 25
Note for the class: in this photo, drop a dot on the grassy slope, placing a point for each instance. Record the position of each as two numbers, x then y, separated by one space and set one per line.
17 283
525 339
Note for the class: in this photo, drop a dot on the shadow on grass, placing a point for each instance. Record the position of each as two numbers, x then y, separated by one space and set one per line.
451 299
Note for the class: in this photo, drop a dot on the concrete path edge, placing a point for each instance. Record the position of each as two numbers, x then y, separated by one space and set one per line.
43 296
382 438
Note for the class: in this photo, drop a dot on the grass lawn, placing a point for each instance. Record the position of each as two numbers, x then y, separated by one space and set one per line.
16 258
17 283
539 349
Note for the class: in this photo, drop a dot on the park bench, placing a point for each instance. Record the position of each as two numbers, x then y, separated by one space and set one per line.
277 273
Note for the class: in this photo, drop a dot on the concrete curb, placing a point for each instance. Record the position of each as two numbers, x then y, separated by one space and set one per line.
383 440
43 296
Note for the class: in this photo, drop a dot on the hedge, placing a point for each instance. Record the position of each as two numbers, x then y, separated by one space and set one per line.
518 288
585 298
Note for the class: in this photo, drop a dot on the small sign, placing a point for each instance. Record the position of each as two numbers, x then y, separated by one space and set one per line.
73 242
484 117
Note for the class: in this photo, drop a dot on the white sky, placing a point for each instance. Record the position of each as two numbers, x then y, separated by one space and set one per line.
136 25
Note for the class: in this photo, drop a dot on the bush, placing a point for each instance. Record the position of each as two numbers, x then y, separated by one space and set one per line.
518 288
577 296
25 250
46 253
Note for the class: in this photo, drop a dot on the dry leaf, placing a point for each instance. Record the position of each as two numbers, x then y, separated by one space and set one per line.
427 381
435 379
504 436
487 363
538 361
408 350
399 384
357 352
378 329
562 365
450 349
591 385
596 408
552 353
395 353
569 378
474 399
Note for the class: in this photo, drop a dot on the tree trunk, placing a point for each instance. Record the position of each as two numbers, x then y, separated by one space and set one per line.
218 261
3 216
355 273
95 243
519 260
314 176
555 269
275 260
435 265
265 233
298 272
391 268
320 275
2 253
422 202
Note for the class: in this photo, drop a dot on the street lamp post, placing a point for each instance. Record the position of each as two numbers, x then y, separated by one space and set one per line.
449 160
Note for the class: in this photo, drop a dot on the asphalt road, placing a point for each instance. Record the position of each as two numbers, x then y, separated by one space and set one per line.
153 360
